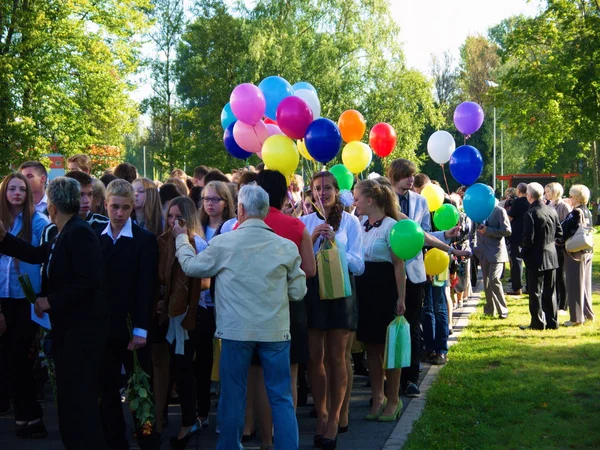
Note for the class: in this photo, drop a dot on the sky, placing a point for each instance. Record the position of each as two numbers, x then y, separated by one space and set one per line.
433 26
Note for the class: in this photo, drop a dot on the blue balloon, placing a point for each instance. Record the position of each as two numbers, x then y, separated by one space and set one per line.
479 202
304 85
323 140
231 146
227 116
466 164
274 89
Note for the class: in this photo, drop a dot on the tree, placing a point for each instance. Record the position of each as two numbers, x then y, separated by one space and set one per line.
445 80
478 62
64 69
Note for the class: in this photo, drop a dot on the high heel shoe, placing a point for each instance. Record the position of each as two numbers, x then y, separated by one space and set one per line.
394 416
248 437
373 417
329 444
180 444
318 441
343 429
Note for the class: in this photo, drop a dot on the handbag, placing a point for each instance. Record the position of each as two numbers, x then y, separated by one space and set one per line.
332 271
397 344
582 240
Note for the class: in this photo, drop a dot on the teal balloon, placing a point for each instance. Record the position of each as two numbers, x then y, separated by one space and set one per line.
344 177
227 116
479 202
446 217
407 239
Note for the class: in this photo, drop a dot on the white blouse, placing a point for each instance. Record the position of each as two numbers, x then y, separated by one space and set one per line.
347 236
376 241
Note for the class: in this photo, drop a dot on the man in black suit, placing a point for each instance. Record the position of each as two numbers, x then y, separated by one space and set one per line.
130 267
516 215
541 228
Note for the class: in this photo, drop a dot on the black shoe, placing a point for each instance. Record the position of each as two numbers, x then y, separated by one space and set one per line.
248 437
313 413
318 441
343 429
4 407
35 430
505 316
329 444
412 390
180 444
524 327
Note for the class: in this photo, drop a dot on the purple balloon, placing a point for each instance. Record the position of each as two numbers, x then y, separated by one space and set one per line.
248 103
294 116
231 146
468 117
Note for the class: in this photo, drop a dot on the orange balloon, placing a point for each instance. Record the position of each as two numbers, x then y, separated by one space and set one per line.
352 125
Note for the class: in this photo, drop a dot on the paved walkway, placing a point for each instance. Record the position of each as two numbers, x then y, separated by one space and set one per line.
361 435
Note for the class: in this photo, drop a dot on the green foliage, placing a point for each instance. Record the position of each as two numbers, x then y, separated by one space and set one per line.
63 75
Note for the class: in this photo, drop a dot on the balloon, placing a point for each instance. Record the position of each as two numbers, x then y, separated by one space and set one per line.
227 116
468 117
304 85
275 89
231 146
356 156
311 99
352 125
323 140
279 153
446 217
466 164
302 150
434 196
248 103
250 138
440 146
382 139
294 116
436 261
268 121
407 239
273 129
344 177
479 202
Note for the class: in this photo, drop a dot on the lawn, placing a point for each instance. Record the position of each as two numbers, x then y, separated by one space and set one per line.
508 388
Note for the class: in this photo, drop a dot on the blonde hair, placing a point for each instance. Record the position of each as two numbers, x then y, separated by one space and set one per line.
83 161
152 206
580 193
179 184
120 188
222 191
381 195
555 191
189 212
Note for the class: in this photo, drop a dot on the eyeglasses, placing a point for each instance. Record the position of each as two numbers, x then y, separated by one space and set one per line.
211 199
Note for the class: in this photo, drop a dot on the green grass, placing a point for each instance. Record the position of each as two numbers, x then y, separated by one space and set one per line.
507 388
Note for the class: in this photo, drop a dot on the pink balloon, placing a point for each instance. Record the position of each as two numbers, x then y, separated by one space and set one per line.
293 117
273 129
248 103
259 154
250 138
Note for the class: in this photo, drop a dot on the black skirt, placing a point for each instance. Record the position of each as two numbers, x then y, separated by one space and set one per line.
377 295
339 313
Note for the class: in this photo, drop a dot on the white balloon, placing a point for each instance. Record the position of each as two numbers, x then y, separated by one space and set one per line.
311 99
440 146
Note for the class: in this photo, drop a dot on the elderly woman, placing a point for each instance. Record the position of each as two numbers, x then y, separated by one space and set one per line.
554 192
578 266
72 294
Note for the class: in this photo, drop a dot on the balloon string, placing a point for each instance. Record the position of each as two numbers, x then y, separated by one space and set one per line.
445 179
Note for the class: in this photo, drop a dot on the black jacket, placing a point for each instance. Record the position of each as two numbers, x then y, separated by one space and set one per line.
131 279
73 278
541 228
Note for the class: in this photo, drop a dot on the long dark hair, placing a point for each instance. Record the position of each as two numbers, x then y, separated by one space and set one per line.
28 207
334 219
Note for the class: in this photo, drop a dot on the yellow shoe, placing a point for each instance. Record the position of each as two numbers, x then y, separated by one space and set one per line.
373 417
395 416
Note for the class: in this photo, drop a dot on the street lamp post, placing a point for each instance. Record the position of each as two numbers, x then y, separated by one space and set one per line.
493 84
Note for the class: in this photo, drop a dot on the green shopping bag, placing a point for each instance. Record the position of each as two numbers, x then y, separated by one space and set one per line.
330 269
397 344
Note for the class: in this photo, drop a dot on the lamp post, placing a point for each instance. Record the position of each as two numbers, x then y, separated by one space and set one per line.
493 84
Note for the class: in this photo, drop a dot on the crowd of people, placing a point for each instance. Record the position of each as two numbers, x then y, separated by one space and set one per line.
213 277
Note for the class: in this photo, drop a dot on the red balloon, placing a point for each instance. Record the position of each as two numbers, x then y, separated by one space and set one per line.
382 139
269 121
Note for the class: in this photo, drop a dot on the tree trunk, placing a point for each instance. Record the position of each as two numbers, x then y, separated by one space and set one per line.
596 171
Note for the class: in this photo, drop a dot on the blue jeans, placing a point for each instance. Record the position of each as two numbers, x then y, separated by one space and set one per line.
234 364
435 319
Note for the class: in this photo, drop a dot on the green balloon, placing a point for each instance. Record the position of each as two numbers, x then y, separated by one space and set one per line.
407 239
344 177
446 217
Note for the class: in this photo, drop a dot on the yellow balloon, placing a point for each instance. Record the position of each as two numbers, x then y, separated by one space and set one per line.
434 196
356 156
280 153
436 261
303 150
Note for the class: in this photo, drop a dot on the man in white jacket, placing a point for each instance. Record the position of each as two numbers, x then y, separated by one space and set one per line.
257 275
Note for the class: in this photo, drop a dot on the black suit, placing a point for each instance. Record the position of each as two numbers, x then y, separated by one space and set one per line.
73 284
131 281
541 228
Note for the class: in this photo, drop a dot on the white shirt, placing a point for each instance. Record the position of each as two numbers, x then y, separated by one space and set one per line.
376 241
42 205
347 236
125 232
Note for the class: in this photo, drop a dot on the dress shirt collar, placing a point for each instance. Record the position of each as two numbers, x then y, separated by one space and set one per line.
256 223
126 231
42 205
